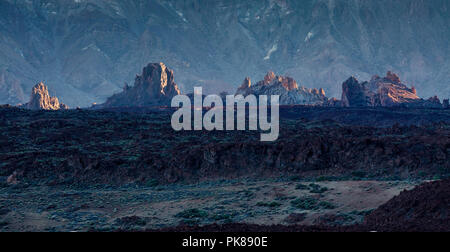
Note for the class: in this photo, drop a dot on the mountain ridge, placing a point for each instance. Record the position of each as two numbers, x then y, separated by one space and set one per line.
86 49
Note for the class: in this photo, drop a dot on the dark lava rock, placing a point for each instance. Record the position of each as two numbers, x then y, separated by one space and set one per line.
446 103
4 211
114 149
425 208
295 218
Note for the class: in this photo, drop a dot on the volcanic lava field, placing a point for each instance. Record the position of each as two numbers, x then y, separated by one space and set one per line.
332 169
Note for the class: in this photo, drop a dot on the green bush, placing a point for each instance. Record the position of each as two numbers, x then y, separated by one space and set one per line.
305 203
271 204
192 213
309 203
302 187
315 188
359 174
326 205
152 183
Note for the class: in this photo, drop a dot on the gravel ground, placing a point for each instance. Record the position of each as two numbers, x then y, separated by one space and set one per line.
131 207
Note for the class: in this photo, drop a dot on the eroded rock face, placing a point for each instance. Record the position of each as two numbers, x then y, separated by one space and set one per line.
426 207
386 92
355 94
245 87
288 89
154 87
333 102
41 99
446 103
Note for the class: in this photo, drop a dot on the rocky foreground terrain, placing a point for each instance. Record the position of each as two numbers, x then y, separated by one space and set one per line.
422 209
85 147
126 169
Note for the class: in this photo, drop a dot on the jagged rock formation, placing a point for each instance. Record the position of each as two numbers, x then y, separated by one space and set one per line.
41 99
388 91
286 87
155 87
446 103
333 102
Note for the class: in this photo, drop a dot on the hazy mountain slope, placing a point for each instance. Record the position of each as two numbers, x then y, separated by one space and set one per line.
86 49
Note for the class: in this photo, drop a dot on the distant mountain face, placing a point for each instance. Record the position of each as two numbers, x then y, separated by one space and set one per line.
85 50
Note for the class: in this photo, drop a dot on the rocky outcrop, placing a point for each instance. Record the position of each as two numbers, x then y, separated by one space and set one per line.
425 208
117 148
245 87
41 100
388 91
333 102
288 89
355 94
154 87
